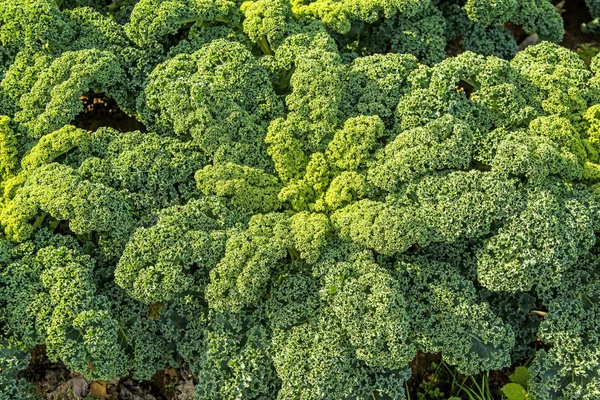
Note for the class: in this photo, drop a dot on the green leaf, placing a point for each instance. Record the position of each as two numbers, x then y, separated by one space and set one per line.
514 391
521 376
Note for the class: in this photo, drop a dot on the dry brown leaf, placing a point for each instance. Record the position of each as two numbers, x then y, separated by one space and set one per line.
185 389
73 389
98 390
172 372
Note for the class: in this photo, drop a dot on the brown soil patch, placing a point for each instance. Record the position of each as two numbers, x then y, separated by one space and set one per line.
100 110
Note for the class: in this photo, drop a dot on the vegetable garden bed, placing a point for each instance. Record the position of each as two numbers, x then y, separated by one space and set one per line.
299 199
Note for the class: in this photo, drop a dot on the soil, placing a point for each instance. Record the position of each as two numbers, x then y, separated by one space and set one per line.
99 110
430 378
425 376
575 13
53 381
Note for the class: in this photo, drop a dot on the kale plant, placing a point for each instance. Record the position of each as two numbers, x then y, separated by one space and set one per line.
321 194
